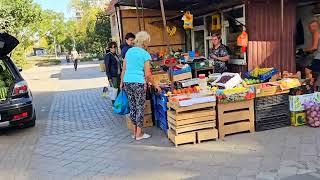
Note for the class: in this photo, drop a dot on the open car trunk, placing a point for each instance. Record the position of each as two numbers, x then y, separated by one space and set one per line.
7 44
6 80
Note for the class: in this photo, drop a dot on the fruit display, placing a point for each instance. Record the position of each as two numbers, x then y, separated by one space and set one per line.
288 83
228 80
313 114
224 79
252 81
235 94
188 90
263 74
260 71
3 93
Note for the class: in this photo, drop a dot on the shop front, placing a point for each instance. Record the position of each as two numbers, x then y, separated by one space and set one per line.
260 89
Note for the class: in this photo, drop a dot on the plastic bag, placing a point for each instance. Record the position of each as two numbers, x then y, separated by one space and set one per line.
112 93
121 104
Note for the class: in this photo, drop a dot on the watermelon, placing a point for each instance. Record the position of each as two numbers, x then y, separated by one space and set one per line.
3 93
2 84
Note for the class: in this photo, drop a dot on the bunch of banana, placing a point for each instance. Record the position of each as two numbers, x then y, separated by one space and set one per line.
264 70
260 71
171 30
255 72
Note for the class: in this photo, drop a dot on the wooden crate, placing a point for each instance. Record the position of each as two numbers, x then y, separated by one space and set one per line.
193 136
147 109
161 77
192 123
207 134
183 76
189 137
235 117
147 121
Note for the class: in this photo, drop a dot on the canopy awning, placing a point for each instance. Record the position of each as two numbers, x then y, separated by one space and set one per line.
195 6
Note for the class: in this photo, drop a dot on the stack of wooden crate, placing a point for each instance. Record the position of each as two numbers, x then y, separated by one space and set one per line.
191 124
235 117
147 121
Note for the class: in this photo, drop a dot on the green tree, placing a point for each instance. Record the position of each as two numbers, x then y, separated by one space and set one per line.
19 18
92 31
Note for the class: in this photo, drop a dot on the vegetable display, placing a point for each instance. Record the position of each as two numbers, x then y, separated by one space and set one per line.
313 114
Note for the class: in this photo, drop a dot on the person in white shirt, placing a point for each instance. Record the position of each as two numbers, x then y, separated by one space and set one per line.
75 58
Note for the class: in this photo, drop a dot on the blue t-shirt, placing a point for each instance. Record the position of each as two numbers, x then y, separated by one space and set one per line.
135 59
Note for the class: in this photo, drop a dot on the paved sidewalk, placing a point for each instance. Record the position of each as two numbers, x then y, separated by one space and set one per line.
79 137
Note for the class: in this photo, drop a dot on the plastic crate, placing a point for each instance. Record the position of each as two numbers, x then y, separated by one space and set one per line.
181 71
164 127
262 77
270 111
272 122
267 101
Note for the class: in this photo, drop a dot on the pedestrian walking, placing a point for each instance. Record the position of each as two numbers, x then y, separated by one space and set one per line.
75 58
129 41
113 65
136 72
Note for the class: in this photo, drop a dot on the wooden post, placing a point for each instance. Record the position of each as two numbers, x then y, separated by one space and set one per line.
137 12
166 38
142 11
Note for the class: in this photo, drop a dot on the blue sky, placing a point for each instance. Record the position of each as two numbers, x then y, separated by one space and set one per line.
56 5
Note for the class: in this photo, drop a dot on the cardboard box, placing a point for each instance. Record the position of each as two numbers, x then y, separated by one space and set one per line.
161 78
298 118
147 121
147 109
296 102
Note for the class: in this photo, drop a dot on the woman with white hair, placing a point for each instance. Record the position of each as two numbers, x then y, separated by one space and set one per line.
135 73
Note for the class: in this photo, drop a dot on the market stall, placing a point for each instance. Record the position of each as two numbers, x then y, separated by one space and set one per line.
198 104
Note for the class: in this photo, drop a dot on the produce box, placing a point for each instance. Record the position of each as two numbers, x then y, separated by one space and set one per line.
262 74
203 64
305 88
183 76
298 118
235 94
147 109
296 102
183 70
161 78
228 80
266 89
147 121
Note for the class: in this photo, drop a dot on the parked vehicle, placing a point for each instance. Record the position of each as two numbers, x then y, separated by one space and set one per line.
16 101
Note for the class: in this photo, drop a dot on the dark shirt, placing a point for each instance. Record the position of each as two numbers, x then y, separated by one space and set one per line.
113 65
221 51
124 48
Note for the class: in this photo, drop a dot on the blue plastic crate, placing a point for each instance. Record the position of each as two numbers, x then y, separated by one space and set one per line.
162 116
181 71
164 127
263 77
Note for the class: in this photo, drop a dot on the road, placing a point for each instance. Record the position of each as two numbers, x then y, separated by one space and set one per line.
78 137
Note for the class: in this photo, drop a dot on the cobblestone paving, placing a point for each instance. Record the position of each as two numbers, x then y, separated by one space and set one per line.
80 138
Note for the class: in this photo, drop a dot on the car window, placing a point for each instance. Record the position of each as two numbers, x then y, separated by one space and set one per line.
6 76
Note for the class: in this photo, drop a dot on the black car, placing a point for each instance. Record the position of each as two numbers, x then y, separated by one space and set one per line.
16 106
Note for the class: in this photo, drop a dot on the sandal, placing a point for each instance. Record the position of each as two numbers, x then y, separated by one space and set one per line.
144 136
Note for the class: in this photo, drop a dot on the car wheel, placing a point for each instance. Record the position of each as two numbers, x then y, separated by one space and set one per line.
32 122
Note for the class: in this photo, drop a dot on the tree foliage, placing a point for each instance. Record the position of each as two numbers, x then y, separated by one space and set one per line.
35 27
